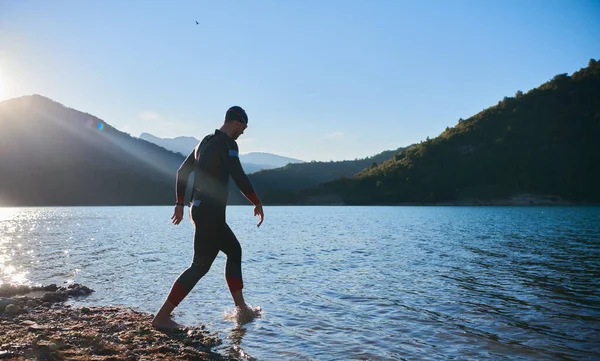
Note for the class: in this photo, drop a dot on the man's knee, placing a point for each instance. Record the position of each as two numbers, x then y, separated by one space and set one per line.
234 252
194 272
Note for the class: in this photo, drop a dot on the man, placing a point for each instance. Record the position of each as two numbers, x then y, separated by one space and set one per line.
213 161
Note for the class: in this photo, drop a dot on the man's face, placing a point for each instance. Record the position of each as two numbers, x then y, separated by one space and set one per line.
239 129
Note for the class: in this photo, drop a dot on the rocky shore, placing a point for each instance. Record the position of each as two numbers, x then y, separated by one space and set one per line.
36 324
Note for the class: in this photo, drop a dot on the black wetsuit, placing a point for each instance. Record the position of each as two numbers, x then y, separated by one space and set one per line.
213 161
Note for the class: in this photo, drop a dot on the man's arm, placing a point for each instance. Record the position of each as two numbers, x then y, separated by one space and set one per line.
240 178
183 174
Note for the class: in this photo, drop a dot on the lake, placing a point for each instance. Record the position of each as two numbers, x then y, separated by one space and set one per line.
342 283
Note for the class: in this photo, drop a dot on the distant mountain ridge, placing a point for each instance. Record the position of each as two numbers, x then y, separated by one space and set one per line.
252 162
181 144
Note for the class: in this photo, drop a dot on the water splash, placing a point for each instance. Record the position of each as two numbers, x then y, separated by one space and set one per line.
243 316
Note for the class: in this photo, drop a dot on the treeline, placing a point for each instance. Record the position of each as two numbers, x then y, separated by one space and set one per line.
281 185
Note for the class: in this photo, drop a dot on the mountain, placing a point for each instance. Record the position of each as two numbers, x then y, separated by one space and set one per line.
252 162
267 159
543 143
54 155
181 145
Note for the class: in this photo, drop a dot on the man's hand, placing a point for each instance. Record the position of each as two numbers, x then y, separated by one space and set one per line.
177 215
258 211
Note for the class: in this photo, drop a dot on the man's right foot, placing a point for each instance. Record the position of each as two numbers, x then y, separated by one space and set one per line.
165 324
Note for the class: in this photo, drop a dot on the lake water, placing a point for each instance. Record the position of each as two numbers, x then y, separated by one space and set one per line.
343 283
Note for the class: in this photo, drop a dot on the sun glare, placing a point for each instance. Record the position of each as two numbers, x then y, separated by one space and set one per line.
7 213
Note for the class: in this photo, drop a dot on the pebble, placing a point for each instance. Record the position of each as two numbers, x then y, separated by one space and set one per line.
5 302
11 309
56 345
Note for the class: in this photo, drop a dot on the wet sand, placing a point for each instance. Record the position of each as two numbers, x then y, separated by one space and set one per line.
35 323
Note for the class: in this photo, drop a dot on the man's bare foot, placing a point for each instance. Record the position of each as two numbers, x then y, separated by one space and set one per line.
246 314
167 323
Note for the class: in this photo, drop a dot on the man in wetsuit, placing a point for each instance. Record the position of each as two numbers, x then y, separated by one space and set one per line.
213 161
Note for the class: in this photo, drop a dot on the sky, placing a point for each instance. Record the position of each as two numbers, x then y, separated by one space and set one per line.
320 79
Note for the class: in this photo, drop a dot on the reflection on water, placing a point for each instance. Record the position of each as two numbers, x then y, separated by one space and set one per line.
7 213
425 283
10 245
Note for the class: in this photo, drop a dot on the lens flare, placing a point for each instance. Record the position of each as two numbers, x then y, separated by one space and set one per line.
100 126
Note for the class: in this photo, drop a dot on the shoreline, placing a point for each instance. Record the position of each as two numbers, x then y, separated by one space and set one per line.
35 323
517 200
458 203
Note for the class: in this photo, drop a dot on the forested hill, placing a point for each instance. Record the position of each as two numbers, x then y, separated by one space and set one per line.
54 155
543 142
280 185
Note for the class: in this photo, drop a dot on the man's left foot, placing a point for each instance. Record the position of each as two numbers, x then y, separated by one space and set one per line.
247 314
165 324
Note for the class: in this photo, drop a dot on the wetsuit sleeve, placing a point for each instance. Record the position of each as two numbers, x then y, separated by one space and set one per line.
232 160
183 174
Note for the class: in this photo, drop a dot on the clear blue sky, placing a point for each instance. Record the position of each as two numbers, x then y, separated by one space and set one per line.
320 79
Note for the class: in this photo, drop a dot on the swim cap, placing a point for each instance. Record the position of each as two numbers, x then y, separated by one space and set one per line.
236 113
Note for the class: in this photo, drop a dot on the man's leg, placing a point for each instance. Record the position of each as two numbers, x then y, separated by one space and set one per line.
205 253
233 273
233 267
180 289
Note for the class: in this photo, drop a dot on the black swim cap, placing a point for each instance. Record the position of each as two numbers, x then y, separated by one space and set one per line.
236 113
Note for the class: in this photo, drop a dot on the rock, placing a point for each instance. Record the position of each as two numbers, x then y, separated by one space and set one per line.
78 290
36 327
55 296
51 288
56 344
5 302
11 309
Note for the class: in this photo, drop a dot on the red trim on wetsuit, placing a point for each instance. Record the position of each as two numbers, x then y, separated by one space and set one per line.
181 199
235 284
177 293
252 197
